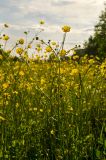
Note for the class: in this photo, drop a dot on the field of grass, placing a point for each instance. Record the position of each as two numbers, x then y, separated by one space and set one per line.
52 109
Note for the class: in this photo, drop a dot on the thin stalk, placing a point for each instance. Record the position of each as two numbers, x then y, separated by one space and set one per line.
5 45
63 42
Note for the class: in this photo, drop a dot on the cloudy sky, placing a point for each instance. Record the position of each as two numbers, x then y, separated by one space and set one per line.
81 15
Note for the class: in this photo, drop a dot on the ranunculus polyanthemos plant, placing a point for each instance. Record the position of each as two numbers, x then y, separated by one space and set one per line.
52 107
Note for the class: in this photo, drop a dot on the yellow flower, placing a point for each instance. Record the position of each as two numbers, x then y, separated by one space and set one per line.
15 92
103 69
41 110
6 94
35 109
66 28
37 57
70 108
43 81
5 38
17 105
75 57
62 52
48 49
42 22
38 49
52 132
21 41
74 72
91 61
29 46
21 73
19 50
53 43
5 85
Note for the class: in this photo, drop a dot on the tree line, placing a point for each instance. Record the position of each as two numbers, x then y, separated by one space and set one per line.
96 44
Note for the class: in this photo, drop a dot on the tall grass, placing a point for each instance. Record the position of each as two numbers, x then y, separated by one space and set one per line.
52 110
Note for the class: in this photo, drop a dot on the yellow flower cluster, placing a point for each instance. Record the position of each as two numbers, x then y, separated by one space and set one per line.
39 91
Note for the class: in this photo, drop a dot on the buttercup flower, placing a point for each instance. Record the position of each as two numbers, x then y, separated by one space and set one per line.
42 22
62 52
19 50
66 28
41 110
5 85
29 46
5 38
21 73
53 43
21 41
52 132
48 49
38 49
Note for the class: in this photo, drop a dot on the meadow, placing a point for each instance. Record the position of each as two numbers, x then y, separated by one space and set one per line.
51 108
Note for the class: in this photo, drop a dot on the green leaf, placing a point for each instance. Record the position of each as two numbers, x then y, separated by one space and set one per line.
90 136
1 154
2 118
98 153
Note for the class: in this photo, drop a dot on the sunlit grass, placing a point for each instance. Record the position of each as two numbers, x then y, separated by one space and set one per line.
53 109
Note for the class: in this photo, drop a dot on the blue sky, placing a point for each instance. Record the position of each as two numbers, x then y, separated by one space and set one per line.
81 15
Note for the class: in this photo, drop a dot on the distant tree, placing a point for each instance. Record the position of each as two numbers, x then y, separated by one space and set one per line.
96 44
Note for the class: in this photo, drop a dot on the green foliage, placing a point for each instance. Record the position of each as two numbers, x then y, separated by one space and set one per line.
52 112
54 109
96 44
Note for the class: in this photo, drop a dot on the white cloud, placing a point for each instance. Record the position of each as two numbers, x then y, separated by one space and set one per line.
82 15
